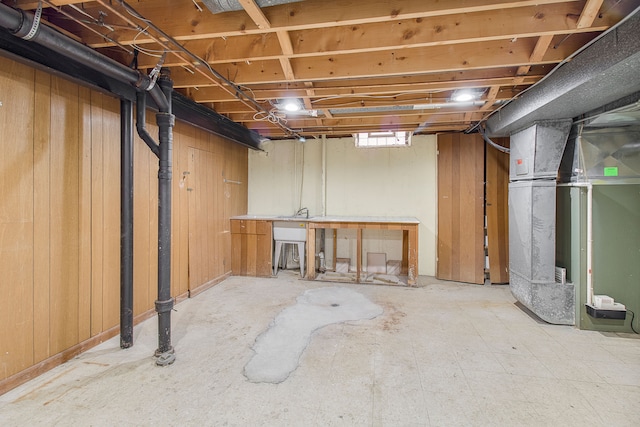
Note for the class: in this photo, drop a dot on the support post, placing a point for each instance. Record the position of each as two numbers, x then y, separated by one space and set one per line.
126 224
164 304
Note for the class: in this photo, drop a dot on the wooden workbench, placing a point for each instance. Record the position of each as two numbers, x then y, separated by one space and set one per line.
408 225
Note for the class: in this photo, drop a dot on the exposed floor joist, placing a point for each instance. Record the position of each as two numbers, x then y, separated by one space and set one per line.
335 55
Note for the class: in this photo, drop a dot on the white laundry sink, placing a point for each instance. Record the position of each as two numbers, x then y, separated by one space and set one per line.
290 231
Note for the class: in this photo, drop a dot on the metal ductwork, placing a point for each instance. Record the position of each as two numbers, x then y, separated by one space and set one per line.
219 6
535 157
602 73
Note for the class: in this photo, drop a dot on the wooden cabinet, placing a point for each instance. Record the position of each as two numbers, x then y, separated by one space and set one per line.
251 242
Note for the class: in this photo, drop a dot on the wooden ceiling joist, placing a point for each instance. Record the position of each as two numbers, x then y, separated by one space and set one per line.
360 65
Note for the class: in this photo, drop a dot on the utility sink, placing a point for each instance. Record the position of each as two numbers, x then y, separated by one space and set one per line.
290 231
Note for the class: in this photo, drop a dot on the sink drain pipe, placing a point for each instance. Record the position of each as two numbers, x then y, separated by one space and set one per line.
22 24
165 120
126 223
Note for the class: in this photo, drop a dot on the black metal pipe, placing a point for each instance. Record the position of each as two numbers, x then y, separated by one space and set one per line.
19 23
164 304
41 54
141 120
126 224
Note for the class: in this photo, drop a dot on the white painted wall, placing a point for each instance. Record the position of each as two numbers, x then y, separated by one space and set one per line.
369 182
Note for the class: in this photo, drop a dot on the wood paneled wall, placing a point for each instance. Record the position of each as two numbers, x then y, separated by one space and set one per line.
60 217
497 195
461 208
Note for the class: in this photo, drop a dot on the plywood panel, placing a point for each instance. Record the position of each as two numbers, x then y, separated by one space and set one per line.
64 208
445 207
151 197
461 208
60 207
97 215
142 233
183 206
41 225
195 251
497 187
209 220
84 225
111 229
16 217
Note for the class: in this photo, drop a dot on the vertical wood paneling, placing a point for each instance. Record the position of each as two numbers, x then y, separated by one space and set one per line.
141 230
97 215
16 217
460 208
60 214
152 199
445 206
111 228
195 250
209 214
181 264
84 259
497 187
41 225
64 179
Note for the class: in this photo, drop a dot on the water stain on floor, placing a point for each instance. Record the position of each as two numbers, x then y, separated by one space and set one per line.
278 349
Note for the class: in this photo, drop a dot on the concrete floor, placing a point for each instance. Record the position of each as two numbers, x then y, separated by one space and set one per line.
440 354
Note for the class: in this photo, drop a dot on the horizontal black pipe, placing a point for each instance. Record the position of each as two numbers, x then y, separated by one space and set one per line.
19 23
184 109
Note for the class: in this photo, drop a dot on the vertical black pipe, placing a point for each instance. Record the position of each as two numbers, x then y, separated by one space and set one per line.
126 224
164 304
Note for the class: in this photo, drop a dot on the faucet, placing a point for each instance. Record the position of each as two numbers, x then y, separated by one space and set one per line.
303 211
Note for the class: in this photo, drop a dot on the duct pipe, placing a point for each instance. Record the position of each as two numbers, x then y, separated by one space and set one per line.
126 224
20 23
164 304
141 120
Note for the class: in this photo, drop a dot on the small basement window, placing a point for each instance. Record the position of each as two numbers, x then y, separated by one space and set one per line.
383 139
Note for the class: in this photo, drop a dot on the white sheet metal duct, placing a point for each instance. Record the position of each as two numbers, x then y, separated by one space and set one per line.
219 6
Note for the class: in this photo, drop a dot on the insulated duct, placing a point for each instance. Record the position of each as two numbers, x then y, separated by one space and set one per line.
219 6
535 157
604 72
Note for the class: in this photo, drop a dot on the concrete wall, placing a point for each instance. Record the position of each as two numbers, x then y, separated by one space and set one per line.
371 182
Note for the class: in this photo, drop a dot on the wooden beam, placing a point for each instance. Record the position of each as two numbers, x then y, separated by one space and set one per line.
469 56
490 98
353 89
187 23
589 13
369 102
421 117
255 13
287 51
542 45
272 131
513 24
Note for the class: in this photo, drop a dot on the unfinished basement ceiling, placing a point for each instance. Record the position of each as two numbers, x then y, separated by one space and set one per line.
357 66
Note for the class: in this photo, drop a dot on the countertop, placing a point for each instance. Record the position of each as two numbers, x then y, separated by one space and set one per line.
333 218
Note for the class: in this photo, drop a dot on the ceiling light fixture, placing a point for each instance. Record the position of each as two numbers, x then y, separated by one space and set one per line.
290 105
465 95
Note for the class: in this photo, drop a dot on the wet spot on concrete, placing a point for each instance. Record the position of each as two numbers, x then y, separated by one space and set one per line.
278 349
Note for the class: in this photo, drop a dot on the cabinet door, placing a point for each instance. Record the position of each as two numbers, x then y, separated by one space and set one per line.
251 242
264 243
